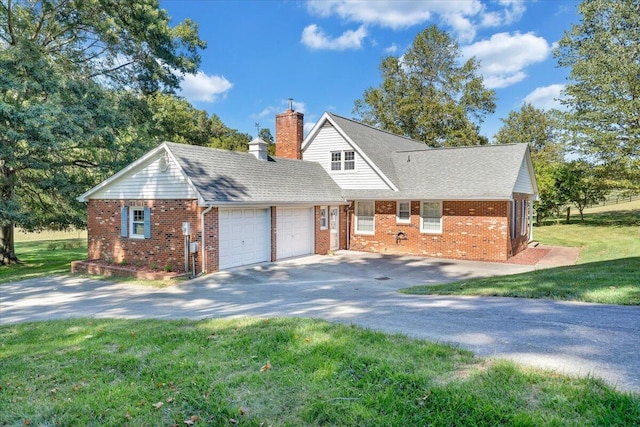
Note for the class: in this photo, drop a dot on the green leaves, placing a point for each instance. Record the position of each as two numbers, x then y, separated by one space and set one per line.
603 95
72 107
428 95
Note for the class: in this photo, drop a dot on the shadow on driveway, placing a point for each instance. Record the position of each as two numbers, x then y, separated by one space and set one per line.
361 288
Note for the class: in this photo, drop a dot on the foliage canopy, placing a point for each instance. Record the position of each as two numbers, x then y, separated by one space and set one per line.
603 95
428 96
75 74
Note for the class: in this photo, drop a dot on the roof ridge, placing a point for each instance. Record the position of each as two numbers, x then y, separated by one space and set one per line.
377 129
227 151
461 147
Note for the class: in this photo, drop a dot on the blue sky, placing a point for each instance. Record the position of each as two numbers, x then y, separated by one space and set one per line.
324 54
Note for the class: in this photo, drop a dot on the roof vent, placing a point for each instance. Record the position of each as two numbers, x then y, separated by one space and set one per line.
258 148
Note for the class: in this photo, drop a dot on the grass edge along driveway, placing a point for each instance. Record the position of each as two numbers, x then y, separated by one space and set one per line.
276 372
607 272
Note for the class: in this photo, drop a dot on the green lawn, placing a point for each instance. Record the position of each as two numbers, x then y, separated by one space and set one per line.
280 372
608 270
43 258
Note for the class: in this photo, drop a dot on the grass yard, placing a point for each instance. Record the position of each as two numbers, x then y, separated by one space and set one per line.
43 258
608 270
276 372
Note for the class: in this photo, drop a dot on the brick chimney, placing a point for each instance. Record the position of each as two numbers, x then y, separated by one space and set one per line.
289 133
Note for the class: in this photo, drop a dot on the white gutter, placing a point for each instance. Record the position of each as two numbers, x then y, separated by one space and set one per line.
203 249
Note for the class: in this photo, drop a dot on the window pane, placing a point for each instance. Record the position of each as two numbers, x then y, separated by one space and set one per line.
365 209
349 160
431 217
365 223
138 215
431 225
323 218
431 209
404 210
336 161
364 217
138 229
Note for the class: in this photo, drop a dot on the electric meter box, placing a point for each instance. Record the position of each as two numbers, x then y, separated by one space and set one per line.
186 229
193 247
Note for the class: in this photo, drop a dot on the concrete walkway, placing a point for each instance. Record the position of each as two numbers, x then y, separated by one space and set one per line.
361 288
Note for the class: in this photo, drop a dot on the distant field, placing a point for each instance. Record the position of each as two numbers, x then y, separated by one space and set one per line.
608 208
22 236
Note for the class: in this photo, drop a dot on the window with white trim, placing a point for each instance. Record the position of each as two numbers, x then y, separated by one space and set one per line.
343 160
336 160
349 160
365 218
431 217
324 224
137 223
403 212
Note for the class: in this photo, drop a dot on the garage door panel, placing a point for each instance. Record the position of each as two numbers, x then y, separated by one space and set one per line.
244 237
294 232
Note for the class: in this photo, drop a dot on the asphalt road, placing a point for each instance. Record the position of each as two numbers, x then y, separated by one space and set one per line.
572 338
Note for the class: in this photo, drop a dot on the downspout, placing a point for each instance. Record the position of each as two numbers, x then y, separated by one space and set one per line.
348 242
530 203
203 249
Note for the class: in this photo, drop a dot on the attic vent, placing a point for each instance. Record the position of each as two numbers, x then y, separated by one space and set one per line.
164 162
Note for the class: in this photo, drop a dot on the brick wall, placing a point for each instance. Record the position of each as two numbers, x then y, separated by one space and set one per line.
165 248
475 230
289 134
211 241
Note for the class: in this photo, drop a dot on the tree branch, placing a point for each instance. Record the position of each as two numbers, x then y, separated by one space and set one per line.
9 23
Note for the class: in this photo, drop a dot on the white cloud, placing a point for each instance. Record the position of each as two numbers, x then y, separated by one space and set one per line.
314 38
463 16
504 57
546 97
202 87
270 111
391 49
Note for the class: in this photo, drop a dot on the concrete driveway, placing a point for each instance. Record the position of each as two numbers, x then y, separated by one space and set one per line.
361 288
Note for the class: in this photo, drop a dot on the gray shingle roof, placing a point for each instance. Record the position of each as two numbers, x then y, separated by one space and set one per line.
223 176
419 172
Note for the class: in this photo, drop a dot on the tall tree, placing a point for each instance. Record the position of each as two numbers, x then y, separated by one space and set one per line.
427 95
266 136
73 72
539 129
579 182
603 93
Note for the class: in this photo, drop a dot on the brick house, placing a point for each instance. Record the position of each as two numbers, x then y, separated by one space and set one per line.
345 186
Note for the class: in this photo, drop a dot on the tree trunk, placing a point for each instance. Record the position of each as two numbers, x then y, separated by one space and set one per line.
568 214
7 248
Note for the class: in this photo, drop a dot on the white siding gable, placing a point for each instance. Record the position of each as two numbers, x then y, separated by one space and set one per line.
523 182
328 139
157 178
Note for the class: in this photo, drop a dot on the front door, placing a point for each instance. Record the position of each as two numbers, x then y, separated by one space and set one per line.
334 227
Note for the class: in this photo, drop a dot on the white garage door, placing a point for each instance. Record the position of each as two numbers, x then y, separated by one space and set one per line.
244 237
294 232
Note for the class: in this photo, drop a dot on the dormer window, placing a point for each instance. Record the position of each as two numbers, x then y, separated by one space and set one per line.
343 160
